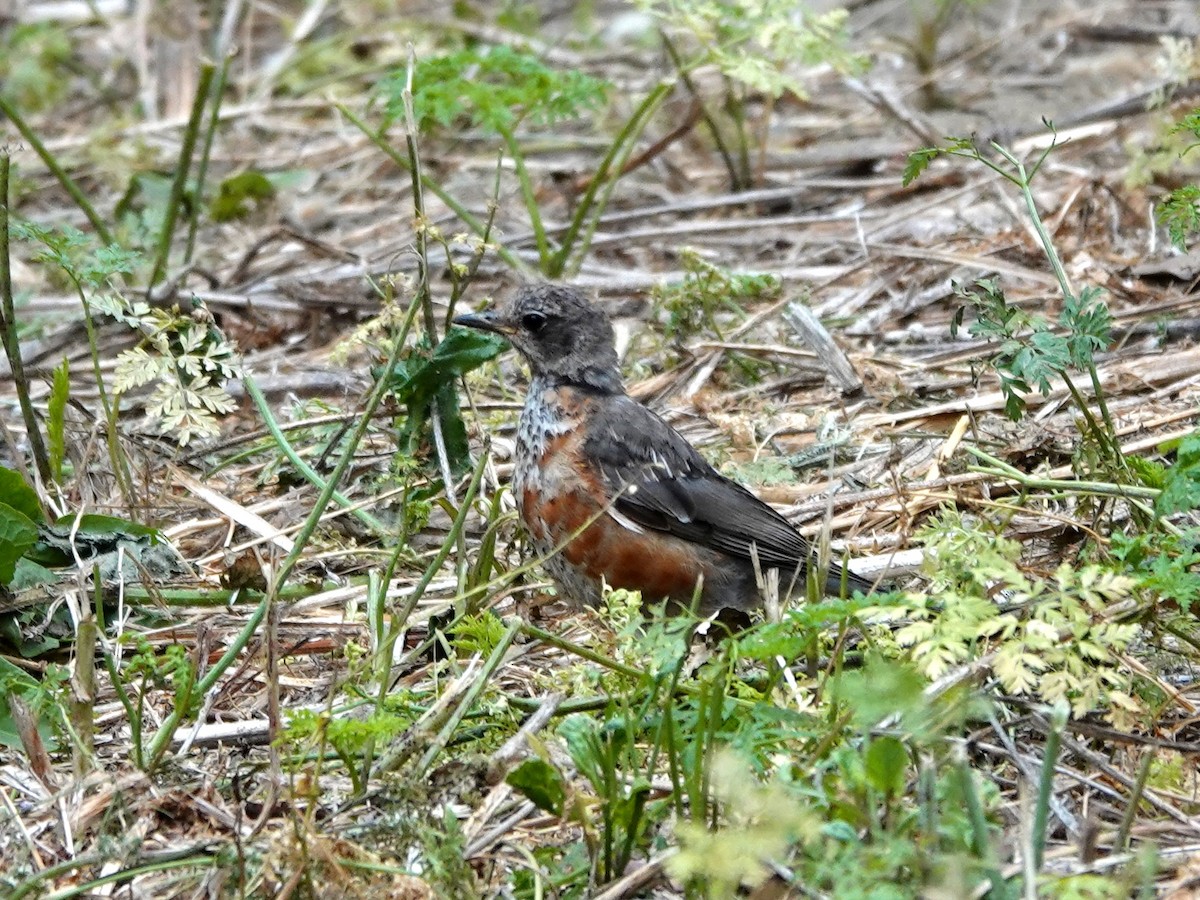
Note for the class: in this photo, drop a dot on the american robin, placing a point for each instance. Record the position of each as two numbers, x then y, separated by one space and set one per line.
609 491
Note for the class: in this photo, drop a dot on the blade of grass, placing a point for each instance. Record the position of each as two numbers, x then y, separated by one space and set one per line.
980 842
1041 809
1121 839
182 167
424 293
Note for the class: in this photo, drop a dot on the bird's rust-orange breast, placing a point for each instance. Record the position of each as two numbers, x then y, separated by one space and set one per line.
567 508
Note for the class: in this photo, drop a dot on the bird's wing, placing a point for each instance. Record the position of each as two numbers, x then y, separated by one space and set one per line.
665 485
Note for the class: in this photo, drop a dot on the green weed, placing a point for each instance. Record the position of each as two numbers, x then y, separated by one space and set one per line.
501 91
1179 211
755 45
37 61
1031 352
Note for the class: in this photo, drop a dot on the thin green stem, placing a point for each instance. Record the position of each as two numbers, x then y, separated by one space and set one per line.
1105 437
162 738
530 197
979 827
68 184
211 597
314 477
1121 839
118 684
123 875
112 436
400 618
579 650
737 113
614 159
1023 180
210 133
182 167
424 294
709 120
468 218
1098 488
477 685
360 429
8 332
1041 809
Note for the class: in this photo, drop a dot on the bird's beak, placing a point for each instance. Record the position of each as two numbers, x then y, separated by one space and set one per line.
488 320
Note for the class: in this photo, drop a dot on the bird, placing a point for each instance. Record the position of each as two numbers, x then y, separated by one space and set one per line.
609 493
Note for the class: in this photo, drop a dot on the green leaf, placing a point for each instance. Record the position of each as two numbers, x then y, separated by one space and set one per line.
17 494
239 195
1151 473
586 748
1180 213
30 574
541 783
1181 486
60 392
424 379
1089 322
72 251
18 533
1189 123
882 688
1173 579
773 639
491 88
887 765
16 681
918 162
29 647
1045 357
97 524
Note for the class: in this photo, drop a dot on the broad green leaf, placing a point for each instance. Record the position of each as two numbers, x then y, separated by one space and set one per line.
422 380
541 783
30 574
18 533
20 496
887 765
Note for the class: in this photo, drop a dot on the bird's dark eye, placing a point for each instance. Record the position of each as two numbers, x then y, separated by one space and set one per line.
533 322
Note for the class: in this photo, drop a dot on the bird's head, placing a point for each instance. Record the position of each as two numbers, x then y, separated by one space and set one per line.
559 331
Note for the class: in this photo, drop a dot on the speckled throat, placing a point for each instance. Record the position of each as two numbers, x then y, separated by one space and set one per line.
551 411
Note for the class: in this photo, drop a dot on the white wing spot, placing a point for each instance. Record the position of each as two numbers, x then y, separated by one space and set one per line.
625 522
